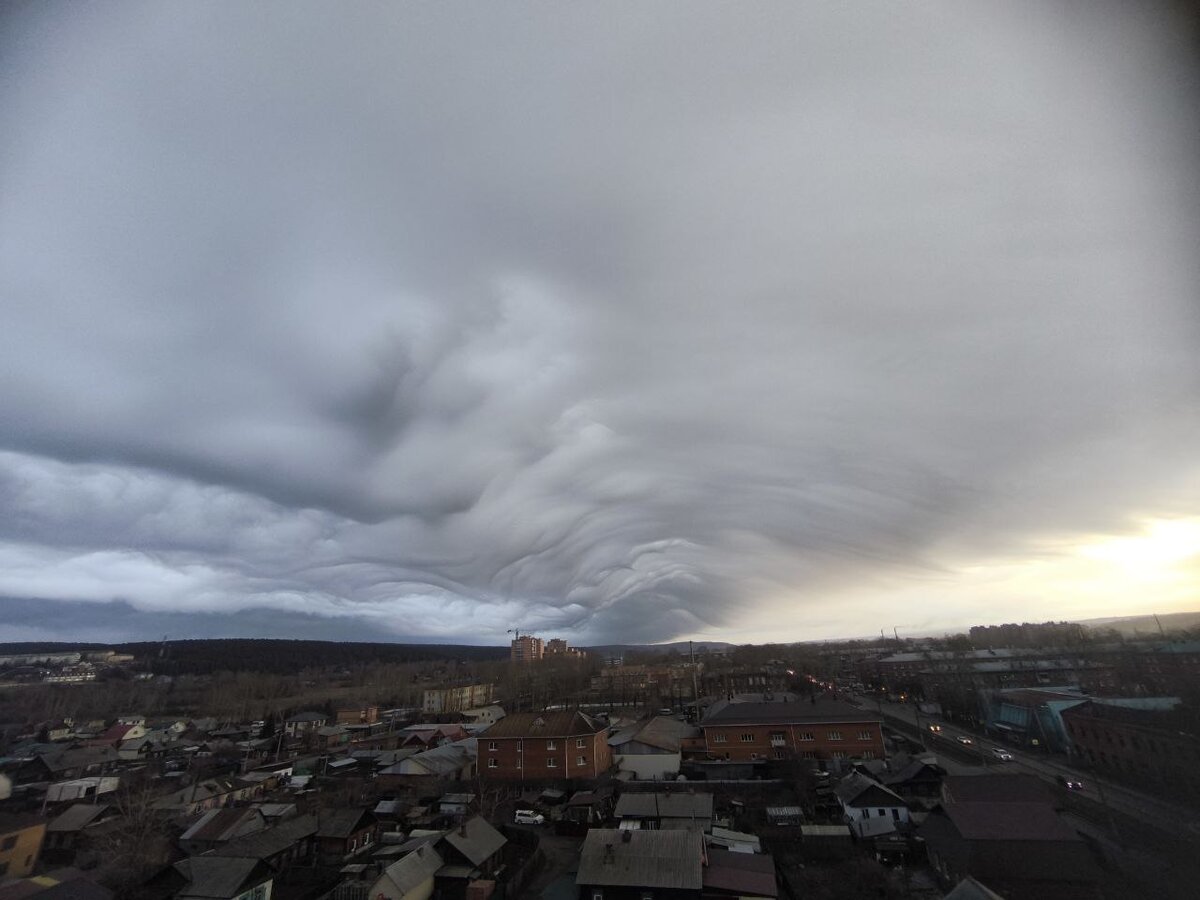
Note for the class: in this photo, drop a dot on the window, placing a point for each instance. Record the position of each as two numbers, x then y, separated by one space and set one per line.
747 738
492 763
838 754
719 738
834 735
778 753
550 745
881 813
492 745
520 746
807 736
868 754
808 754
864 735
581 760
551 763
597 895
580 743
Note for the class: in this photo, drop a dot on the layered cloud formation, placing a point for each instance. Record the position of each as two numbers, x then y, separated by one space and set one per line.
624 323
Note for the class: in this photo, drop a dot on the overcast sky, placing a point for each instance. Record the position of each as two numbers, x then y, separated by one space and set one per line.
615 322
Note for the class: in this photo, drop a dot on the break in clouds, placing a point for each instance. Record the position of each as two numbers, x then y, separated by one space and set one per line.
616 322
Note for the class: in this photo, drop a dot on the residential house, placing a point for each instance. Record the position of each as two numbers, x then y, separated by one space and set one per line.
652 751
423 737
549 745
822 728
409 878
450 762
662 810
342 834
636 865
484 715
331 737
223 878
1022 850
919 779
72 831
471 851
209 793
219 826
870 809
21 840
292 842
304 722
357 715
73 762
117 734
82 788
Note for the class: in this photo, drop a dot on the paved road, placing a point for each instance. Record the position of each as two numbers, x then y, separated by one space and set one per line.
1136 804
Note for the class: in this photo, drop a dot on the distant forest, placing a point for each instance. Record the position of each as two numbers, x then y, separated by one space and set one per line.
204 657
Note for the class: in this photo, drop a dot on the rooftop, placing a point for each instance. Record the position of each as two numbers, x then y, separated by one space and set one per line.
818 710
644 859
569 723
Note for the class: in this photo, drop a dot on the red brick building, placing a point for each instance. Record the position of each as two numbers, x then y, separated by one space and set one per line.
824 729
1140 746
549 745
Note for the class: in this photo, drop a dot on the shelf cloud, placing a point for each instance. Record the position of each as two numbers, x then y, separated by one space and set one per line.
429 321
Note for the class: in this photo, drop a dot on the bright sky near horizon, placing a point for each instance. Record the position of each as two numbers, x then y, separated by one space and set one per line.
772 321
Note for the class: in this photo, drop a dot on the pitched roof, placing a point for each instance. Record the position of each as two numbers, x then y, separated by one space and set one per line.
569 723
858 790
218 877
981 821
1014 788
272 841
309 717
479 841
725 712
413 870
970 889
223 824
341 823
647 859
659 805
77 817
744 874
663 732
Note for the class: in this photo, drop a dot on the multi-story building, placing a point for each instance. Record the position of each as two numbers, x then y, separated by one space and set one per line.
456 699
526 648
547 745
560 648
1145 746
763 730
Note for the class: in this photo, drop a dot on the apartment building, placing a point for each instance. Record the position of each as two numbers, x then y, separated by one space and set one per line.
782 729
526 648
457 699
548 745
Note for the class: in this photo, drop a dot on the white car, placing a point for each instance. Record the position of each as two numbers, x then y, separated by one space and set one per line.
1000 754
963 739
528 817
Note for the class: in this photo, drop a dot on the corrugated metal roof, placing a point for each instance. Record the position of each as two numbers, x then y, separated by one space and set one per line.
479 841
665 806
545 724
647 859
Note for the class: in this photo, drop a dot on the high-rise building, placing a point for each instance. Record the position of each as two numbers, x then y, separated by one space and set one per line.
526 648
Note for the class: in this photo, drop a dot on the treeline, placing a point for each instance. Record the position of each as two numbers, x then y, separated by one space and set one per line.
273 656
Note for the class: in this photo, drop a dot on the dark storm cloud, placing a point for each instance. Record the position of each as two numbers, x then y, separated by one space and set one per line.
628 324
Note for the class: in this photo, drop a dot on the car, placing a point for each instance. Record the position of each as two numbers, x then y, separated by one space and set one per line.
528 817
1071 784
935 728
1001 754
963 739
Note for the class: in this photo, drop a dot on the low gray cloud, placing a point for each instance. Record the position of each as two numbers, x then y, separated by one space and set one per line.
627 324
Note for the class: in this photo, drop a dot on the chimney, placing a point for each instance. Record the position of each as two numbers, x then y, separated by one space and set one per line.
609 857
626 837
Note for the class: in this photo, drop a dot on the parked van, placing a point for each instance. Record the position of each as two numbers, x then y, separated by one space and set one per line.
528 817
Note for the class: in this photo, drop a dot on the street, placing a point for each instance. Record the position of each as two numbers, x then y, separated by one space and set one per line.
1133 803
